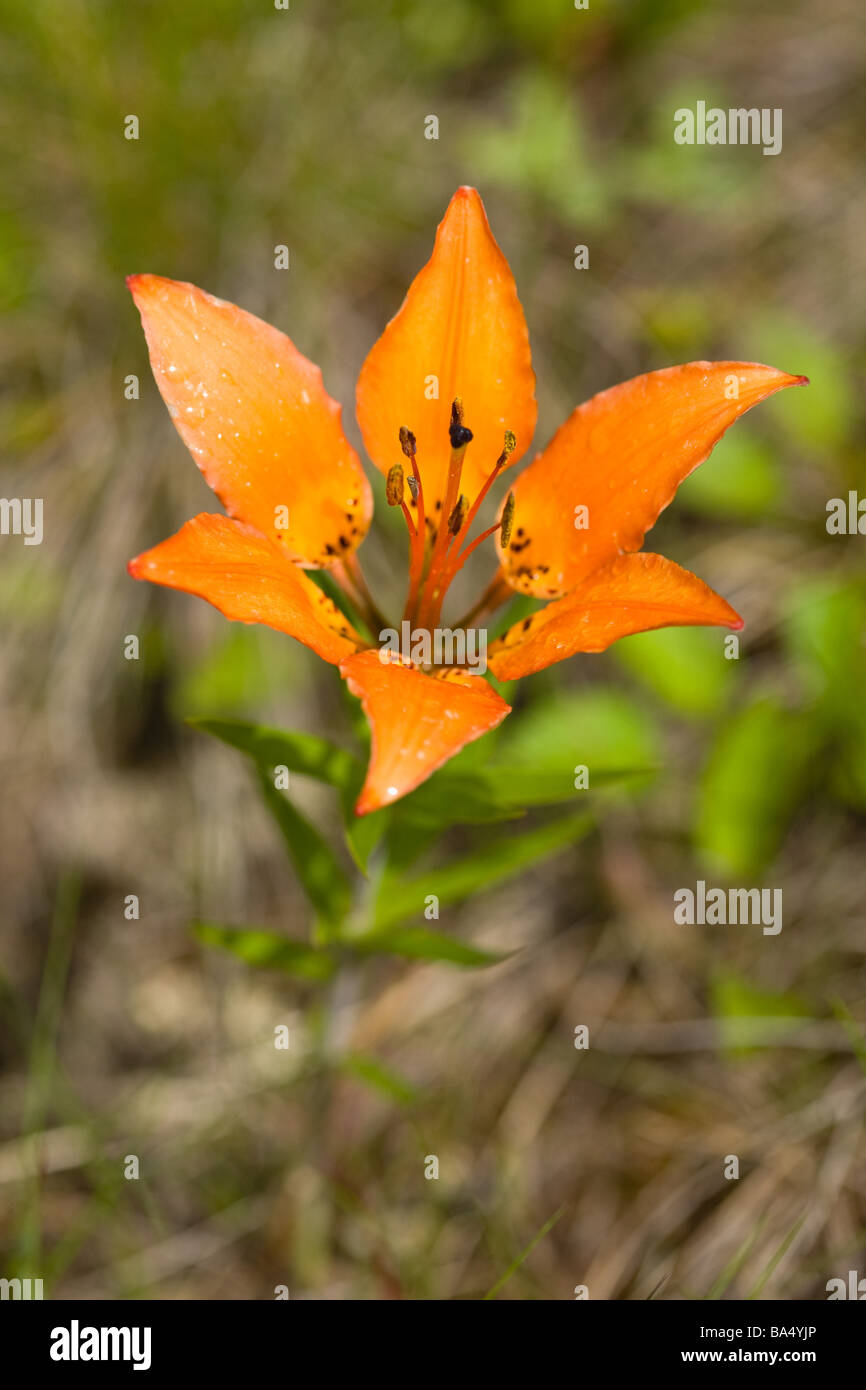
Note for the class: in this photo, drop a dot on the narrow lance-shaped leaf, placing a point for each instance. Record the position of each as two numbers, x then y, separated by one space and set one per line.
320 872
419 943
306 754
755 777
267 949
493 863
380 1078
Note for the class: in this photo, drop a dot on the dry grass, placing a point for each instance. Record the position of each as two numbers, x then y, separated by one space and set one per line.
261 1167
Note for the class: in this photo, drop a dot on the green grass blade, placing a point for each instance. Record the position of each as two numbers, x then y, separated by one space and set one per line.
779 1255
524 1254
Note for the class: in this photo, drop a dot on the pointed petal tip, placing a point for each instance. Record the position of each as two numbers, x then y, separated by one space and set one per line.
143 286
366 804
216 365
466 284
249 579
136 284
417 721
467 201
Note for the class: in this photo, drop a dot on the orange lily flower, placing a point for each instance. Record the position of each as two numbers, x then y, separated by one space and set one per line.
445 403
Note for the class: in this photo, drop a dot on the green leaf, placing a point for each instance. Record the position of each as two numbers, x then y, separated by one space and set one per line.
542 136
855 1036
684 666
306 754
243 665
419 943
365 833
457 798
500 792
820 414
320 872
380 1078
267 949
824 630
601 728
492 863
741 479
756 776
734 999
518 786
825 633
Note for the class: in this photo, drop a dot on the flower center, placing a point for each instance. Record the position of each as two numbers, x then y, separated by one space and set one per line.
435 559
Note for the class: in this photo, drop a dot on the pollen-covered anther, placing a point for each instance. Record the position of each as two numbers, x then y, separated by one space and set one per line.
508 447
458 515
407 442
394 485
507 521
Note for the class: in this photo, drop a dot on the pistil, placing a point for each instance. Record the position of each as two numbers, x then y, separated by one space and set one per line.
431 598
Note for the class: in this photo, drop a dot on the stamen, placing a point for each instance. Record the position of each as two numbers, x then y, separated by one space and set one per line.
509 445
458 516
457 561
455 558
394 485
417 528
507 520
460 436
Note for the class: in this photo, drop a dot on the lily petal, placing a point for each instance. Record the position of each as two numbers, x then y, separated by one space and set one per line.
257 419
249 578
417 721
632 593
460 331
622 455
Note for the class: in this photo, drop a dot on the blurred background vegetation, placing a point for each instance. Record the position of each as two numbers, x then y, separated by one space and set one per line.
258 1167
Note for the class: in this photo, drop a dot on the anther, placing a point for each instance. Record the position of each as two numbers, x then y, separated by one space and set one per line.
508 448
394 485
458 516
507 520
407 442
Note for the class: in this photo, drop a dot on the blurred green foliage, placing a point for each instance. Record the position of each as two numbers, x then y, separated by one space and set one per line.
306 127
